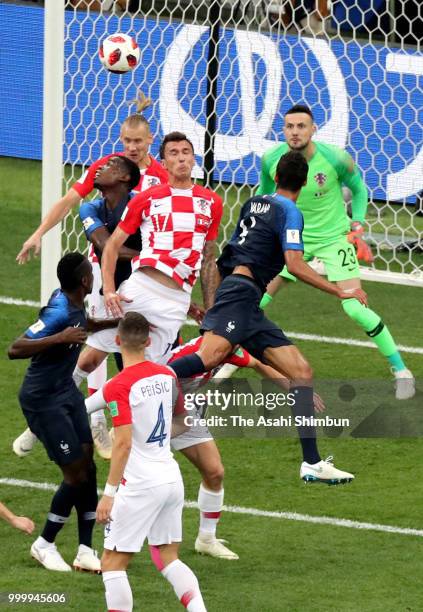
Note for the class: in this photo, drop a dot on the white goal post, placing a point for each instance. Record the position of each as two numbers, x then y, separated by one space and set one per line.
360 74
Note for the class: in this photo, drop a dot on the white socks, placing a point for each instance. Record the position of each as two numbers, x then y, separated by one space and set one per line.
185 585
118 591
182 579
179 575
210 504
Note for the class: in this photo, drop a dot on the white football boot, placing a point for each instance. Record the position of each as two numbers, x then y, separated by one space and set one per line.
214 548
87 560
24 443
49 557
324 471
405 385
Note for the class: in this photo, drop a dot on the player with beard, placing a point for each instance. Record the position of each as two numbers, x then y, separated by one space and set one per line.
329 234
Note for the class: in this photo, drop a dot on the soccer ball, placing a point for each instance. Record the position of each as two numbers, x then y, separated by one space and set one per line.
119 53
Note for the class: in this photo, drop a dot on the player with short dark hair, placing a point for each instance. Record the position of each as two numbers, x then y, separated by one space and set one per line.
268 232
328 233
173 137
179 224
55 410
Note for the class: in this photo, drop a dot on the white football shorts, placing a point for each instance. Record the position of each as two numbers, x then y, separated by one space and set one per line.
155 514
164 308
197 434
95 300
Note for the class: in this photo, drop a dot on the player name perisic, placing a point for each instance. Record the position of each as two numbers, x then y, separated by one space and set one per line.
237 420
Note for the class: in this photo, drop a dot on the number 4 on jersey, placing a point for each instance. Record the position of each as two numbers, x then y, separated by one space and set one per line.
158 434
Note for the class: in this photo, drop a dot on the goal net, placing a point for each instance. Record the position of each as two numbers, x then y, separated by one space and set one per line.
360 71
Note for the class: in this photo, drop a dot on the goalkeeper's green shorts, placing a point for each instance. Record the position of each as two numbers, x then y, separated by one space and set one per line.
339 258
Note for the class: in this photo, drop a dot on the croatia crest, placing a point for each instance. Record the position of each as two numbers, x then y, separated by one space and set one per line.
320 178
203 204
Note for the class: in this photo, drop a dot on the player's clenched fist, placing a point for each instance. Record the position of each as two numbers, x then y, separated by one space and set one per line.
196 312
72 335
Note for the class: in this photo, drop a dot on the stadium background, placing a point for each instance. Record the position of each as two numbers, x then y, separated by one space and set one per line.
285 564
381 124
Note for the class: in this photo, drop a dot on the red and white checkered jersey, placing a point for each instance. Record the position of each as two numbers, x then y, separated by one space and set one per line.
153 175
240 358
175 225
145 396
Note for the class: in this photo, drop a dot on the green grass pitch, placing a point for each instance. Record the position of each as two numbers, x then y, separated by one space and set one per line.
285 565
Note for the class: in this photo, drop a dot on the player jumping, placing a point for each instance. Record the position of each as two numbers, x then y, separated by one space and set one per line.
268 232
136 138
179 224
328 232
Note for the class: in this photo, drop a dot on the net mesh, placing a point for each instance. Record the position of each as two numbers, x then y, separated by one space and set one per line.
359 69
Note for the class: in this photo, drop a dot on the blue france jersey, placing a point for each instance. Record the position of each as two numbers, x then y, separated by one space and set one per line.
50 372
96 214
267 226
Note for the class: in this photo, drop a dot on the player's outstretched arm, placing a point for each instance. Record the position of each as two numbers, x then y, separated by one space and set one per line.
24 347
108 267
95 402
351 177
95 325
99 238
19 522
209 274
58 211
298 267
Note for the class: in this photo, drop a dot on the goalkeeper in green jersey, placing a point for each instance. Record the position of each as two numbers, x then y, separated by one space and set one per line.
329 234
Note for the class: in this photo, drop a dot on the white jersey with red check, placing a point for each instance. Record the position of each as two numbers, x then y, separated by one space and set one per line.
175 225
145 396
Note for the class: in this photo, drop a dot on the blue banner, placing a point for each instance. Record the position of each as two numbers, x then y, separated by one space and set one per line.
367 98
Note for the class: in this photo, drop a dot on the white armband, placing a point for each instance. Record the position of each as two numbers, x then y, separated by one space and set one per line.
95 402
